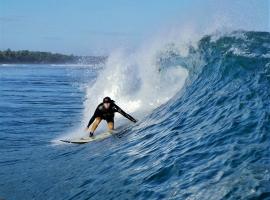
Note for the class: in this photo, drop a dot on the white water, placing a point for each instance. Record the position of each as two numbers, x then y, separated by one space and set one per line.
136 84
134 81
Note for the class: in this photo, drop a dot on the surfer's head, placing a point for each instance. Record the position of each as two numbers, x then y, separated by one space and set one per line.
107 102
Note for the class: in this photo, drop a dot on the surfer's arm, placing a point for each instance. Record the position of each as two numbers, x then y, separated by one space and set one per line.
95 115
91 121
118 109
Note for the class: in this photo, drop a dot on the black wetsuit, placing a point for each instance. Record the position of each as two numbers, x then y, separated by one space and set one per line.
108 114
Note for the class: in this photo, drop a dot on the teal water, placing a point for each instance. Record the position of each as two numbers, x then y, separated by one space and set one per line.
209 141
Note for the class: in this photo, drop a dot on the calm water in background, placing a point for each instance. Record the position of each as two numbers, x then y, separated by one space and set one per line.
37 103
214 145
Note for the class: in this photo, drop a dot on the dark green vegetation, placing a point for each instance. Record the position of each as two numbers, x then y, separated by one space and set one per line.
37 57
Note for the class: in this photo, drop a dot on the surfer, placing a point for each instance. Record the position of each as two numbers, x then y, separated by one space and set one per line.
106 110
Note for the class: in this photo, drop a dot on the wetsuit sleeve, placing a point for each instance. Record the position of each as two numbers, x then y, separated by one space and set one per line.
96 114
118 109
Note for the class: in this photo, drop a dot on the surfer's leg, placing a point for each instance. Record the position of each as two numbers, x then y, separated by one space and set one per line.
110 122
110 125
95 124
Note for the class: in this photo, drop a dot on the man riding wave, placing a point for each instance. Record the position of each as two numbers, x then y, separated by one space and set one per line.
106 110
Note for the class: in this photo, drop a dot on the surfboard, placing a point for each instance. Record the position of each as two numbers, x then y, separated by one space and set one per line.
84 140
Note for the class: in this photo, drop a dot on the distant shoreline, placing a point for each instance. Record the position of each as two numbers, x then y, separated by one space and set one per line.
37 57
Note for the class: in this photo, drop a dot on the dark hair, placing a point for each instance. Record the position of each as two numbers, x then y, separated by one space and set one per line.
107 100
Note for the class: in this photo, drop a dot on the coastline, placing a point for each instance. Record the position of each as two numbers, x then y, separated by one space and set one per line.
26 57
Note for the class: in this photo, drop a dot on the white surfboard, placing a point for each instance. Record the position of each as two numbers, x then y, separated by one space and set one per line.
84 140
97 137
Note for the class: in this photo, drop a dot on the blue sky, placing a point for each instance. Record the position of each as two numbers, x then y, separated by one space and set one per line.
93 27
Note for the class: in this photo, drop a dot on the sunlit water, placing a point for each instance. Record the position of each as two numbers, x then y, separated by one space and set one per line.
210 140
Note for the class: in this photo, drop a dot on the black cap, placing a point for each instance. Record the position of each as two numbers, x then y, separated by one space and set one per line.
107 100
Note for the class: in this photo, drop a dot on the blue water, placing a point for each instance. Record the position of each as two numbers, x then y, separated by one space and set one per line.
211 140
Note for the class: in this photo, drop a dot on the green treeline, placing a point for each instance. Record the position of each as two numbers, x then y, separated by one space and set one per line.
38 57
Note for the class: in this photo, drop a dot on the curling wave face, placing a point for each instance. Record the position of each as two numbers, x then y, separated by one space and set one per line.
212 140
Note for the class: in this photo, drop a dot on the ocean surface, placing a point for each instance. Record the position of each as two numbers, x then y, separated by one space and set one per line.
203 130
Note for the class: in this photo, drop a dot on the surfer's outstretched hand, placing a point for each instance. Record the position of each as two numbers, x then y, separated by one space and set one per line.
134 120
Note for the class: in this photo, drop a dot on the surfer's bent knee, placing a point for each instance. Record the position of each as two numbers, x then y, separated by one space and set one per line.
110 125
98 120
95 124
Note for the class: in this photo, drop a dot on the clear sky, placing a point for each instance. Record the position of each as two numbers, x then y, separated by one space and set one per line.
92 27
